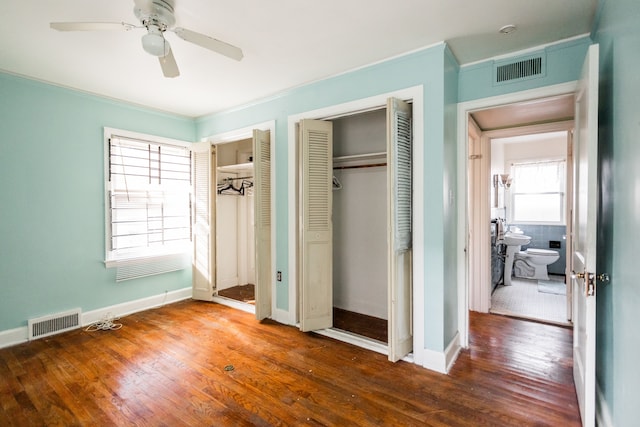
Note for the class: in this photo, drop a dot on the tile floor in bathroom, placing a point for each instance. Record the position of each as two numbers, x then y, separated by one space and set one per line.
522 299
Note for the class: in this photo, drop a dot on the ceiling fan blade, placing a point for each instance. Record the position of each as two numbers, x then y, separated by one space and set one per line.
210 43
92 26
169 66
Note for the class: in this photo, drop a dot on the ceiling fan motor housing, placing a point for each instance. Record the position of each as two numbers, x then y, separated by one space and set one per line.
155 12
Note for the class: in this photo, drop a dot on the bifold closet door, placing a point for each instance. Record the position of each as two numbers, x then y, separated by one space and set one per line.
262 221
399 172
203 204
316 249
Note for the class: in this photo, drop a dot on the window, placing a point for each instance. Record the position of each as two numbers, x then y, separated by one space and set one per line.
538 191
148 184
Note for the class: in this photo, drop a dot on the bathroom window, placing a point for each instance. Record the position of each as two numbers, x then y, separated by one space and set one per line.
538 192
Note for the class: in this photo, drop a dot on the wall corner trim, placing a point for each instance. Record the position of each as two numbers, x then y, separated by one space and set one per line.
442 361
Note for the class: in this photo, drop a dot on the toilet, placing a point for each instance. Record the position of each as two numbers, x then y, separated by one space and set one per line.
532 263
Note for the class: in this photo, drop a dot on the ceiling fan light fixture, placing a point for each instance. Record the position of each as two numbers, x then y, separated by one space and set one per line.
154 42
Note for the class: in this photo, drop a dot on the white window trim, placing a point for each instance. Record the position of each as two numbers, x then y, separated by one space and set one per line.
124 260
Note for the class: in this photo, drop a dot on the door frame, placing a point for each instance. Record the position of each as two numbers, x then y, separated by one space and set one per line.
481 300
416 94
464 109
236 135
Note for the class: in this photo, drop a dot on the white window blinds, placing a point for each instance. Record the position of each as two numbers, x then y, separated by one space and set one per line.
148 199
538 191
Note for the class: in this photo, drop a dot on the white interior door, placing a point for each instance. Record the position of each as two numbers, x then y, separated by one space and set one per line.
479 254
262 221
203 204
316 251
399 228
585 182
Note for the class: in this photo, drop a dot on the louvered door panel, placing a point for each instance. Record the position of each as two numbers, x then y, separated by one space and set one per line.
399 140
262 212
316 293
203 155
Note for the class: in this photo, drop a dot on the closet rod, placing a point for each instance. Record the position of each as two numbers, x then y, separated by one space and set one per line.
233 179
374 165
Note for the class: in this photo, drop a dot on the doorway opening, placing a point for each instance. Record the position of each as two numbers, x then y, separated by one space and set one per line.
234 216
519 188
529 217
232 208
367 168
359 225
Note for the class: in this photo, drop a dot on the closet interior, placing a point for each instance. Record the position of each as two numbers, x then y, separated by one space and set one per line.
234 215
360 279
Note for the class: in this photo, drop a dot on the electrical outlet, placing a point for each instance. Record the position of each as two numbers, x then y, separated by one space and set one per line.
279 276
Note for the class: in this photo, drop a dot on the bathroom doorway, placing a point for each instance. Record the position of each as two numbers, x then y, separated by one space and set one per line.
521 208
529 175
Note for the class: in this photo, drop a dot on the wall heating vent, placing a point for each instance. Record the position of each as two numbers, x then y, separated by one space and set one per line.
523 69
54 324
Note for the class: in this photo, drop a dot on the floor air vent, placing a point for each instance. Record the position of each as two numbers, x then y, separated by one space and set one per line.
54 324
525 68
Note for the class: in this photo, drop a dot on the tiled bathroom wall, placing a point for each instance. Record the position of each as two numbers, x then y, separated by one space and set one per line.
541 235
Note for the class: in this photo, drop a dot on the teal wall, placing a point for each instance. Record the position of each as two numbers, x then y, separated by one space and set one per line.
52 232
450 199
617 31
425 68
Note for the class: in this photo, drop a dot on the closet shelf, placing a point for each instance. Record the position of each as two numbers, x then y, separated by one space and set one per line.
360 159
238 168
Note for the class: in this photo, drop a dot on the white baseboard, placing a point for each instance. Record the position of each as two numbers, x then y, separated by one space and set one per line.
130 307
603 414
14 336
442 361
353 339
282 316
238 305
20 335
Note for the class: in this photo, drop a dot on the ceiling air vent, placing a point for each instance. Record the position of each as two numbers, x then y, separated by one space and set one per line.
523 69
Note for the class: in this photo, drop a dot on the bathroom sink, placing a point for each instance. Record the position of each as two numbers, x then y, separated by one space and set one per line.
511 239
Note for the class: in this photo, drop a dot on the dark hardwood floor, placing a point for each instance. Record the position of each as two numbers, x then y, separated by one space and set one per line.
243 293
360 324
194 364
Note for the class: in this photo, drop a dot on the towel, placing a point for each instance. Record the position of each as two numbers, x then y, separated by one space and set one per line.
499 230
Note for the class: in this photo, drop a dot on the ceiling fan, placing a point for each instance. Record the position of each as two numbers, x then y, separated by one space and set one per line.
156 16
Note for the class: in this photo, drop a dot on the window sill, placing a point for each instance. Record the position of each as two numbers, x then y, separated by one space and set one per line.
144 259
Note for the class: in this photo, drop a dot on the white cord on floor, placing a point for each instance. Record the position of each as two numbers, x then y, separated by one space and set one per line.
106 324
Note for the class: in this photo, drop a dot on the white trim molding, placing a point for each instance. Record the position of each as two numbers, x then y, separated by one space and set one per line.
11 337
130 307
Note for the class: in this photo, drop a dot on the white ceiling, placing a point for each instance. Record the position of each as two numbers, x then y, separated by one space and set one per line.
286 43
